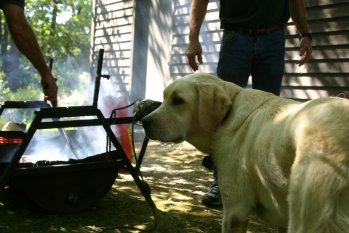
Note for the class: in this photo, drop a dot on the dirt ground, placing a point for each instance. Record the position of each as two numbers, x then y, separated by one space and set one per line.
177 180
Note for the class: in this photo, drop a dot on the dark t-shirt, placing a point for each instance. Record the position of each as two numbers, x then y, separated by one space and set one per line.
17 2
254 13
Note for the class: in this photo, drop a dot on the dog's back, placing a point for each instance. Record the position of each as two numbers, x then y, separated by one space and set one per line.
319 182
309 142
284 159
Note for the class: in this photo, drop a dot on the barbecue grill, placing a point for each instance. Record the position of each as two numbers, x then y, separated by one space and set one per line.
72 184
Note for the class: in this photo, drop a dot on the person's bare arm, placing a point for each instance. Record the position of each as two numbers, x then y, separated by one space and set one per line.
197 15
298 15
25 40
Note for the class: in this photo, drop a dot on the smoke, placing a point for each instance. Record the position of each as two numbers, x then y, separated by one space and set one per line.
51 145
76 142
73 81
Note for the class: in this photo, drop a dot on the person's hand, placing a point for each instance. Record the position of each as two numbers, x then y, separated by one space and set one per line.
50 89
194 51
305 51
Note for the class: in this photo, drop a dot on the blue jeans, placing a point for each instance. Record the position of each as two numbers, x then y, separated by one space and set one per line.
261 56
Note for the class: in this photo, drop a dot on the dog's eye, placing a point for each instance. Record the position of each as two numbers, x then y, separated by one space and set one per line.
177 100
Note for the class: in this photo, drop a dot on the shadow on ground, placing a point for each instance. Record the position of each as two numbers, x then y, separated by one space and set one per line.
177 180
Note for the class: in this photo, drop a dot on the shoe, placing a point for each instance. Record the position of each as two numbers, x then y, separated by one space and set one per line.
207 162
213 197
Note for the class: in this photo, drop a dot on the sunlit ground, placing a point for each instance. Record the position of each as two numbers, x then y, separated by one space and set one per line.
177 180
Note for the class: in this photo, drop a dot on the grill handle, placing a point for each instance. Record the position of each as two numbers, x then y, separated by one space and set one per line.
99 75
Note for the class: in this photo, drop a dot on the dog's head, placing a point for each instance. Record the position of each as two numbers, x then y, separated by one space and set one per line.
192 109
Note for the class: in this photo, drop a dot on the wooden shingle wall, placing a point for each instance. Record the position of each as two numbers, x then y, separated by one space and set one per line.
327 74
112 30
210 38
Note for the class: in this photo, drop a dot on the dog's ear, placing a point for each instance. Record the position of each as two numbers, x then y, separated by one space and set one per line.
213 105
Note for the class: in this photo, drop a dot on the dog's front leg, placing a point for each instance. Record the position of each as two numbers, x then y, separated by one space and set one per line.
233 225
233 218
236 207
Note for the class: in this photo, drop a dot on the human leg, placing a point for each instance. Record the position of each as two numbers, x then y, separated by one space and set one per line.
235 57
269 61
213 197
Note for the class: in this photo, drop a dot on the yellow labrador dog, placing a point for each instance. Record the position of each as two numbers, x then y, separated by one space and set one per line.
283 160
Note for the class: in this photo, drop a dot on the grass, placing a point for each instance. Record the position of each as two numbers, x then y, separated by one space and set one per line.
177 180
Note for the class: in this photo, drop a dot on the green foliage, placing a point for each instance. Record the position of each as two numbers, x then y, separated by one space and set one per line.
62 28
25 93
62 38
4 91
